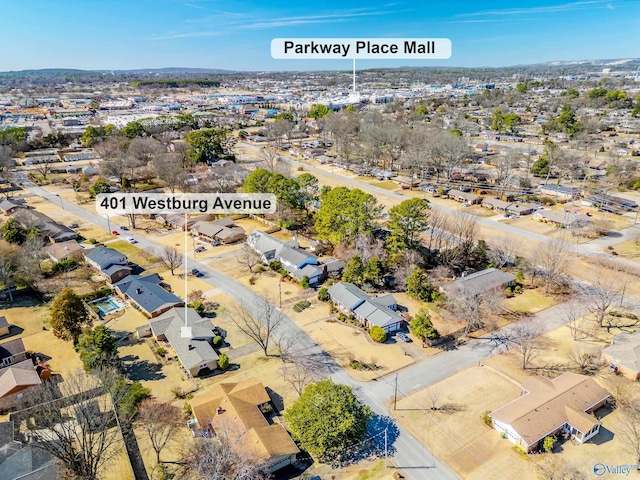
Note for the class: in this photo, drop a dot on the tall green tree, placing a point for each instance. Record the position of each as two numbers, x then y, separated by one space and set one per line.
99 186
13 231
97 348
327 418
422 327
318 111
68 316
407 221
419 286
206 144
345 213
354 270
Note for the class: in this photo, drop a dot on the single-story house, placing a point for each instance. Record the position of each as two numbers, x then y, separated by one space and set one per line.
522 208
559 192
47 227
610 203
624 355
370 311
64 250
223 230
196 353
177 221
12 352
146 294
296 261
242 407
482 281
496 204
549 407
562 219
10 205
110 263
466 197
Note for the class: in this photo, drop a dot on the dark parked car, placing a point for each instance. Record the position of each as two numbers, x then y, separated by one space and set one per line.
197 272
200 249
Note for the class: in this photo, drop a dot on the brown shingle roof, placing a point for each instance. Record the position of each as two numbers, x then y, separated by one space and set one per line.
239 409
549 404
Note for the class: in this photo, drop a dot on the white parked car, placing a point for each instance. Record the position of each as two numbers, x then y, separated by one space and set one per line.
131 240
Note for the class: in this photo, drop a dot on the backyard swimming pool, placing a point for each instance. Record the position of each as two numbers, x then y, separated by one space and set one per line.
106 305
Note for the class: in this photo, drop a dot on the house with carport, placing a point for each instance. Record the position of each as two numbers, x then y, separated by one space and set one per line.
196 354
370 311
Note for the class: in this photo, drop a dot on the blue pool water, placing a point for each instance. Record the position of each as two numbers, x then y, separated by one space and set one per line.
106 305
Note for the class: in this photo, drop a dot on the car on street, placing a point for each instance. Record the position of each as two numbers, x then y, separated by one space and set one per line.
131 240
403 336
200 249
124 228
197 272
73 225
115 232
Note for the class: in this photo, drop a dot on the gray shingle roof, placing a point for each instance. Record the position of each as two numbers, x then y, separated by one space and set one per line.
106 257
375 310
169 325
625 349
482 281
146 292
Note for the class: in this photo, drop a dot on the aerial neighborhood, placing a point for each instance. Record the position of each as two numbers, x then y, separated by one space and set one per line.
452 267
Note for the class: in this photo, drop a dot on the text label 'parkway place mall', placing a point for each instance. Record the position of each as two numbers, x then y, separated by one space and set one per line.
215 203
361 48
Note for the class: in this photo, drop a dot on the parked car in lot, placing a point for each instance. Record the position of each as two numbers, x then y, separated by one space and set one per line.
200 249
73 225
115 232
215 243
197 272
403 336
131 240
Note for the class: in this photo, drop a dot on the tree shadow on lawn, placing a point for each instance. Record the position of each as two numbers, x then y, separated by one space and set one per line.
373 446
144 370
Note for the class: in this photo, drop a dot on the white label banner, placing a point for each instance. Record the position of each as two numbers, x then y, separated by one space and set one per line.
215 203
361 48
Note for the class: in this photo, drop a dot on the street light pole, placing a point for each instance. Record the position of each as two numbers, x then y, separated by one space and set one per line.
61 204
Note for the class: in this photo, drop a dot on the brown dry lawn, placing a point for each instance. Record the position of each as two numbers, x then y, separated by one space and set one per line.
529 301
457 433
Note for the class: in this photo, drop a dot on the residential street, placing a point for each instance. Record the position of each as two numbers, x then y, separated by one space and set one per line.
410 455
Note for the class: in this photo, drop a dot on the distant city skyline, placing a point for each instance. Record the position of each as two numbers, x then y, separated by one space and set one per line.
234 35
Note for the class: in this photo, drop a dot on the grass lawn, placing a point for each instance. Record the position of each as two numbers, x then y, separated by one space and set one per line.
387 185
629 250
529 301
134 254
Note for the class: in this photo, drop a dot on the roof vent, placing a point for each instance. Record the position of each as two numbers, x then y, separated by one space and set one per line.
191 347
138 291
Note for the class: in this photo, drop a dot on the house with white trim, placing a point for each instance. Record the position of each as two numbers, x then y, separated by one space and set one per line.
550 407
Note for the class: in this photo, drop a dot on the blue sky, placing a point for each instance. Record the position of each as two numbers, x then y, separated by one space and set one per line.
236 35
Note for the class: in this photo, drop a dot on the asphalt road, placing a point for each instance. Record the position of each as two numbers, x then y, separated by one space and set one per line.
408 453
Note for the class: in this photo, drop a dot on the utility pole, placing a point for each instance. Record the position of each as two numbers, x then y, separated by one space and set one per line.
386 454
395 393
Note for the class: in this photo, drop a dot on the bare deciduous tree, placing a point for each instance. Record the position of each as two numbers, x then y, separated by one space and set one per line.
552 261
269 158
75 421
171 258
168 168
586 362
629 431
503 252
248 257
506 166
160 421
525 339
475 308
605 293
257 321
553 467
223 457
